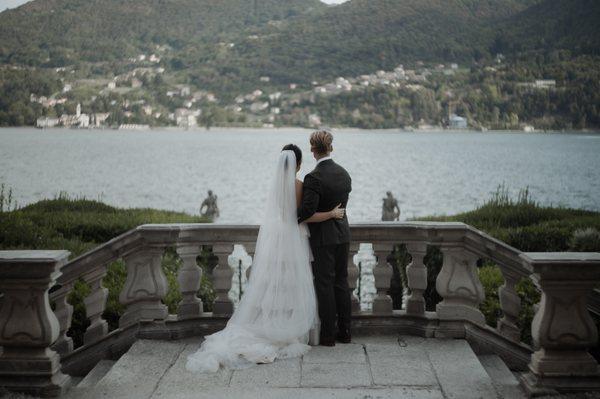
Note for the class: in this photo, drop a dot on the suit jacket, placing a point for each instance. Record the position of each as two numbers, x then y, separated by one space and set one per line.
326 186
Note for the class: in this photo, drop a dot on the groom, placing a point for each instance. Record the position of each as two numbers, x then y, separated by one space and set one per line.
325 187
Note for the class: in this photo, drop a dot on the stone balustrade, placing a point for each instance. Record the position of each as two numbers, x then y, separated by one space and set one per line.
457 315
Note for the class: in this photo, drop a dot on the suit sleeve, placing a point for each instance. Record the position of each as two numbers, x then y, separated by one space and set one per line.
311 192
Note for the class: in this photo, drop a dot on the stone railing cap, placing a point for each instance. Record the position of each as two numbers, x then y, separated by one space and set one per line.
34 256
561 257
31 265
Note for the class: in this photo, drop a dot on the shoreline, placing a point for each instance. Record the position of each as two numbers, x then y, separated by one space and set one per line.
250 129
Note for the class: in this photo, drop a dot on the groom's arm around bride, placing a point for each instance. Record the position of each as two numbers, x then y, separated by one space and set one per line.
325 187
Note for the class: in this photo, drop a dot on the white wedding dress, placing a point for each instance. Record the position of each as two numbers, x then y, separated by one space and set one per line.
278 307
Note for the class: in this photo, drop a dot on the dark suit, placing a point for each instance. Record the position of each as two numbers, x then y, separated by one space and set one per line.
325 187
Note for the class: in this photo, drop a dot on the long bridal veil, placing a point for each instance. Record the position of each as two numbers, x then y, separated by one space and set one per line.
278 307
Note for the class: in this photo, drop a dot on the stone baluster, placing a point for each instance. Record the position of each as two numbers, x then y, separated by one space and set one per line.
382 303
95 304
353 276
145 287
458 283
416 273
222 280
250 249
562 328
510 302
28 327
64 313
189 283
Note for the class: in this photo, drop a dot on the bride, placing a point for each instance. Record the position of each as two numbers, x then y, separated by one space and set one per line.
278 307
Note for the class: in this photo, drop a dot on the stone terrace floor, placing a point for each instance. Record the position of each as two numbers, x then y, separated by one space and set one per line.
370 367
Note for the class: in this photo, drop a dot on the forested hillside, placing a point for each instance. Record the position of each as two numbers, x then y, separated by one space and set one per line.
118 57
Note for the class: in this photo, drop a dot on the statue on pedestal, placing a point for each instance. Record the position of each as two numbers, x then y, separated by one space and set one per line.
212 210
390 210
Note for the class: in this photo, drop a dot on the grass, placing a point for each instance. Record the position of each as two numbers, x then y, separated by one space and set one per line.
526 225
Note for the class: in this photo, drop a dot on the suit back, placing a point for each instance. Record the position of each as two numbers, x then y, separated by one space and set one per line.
332 184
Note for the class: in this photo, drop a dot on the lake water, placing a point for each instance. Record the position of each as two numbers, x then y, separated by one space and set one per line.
429 172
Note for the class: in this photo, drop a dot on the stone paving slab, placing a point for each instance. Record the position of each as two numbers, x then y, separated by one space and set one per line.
370 367
179 381
341 375
308 393
282 373
341 353
395 373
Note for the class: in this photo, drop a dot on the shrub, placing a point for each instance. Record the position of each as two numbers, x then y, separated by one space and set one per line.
585 240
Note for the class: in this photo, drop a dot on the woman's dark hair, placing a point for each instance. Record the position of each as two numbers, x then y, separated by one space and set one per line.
297 152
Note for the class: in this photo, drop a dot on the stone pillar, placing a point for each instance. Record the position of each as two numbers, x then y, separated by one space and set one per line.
95 303
28 327
510 302
222 280
382 303
64 313
145 287
189 283
459 285
353 276
416 273
562 328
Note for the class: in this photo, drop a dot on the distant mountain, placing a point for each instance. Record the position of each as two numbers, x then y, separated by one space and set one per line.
361 36
551 24
222 45
58 32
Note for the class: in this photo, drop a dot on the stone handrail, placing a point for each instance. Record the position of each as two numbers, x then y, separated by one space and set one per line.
458 283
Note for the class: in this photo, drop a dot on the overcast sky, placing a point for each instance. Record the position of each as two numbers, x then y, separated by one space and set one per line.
4 4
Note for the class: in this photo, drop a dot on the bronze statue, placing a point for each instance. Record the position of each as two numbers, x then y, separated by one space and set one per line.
390 210
212 210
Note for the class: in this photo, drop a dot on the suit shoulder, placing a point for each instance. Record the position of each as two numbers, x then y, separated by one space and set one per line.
342 170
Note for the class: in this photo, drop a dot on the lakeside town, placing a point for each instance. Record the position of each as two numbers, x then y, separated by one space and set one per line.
143 97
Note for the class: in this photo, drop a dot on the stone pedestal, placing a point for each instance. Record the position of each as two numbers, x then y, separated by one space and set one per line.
145 287
459 285
562 328
27 324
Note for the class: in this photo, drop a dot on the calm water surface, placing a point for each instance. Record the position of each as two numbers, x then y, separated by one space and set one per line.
429 172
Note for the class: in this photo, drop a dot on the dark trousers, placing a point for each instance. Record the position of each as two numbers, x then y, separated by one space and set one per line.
330 269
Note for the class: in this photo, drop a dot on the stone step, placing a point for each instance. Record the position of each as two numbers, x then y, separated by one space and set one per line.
503 379
383 367
138 372
458 370
96 374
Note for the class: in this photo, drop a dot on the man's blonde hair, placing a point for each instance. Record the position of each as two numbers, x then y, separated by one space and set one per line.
321 141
